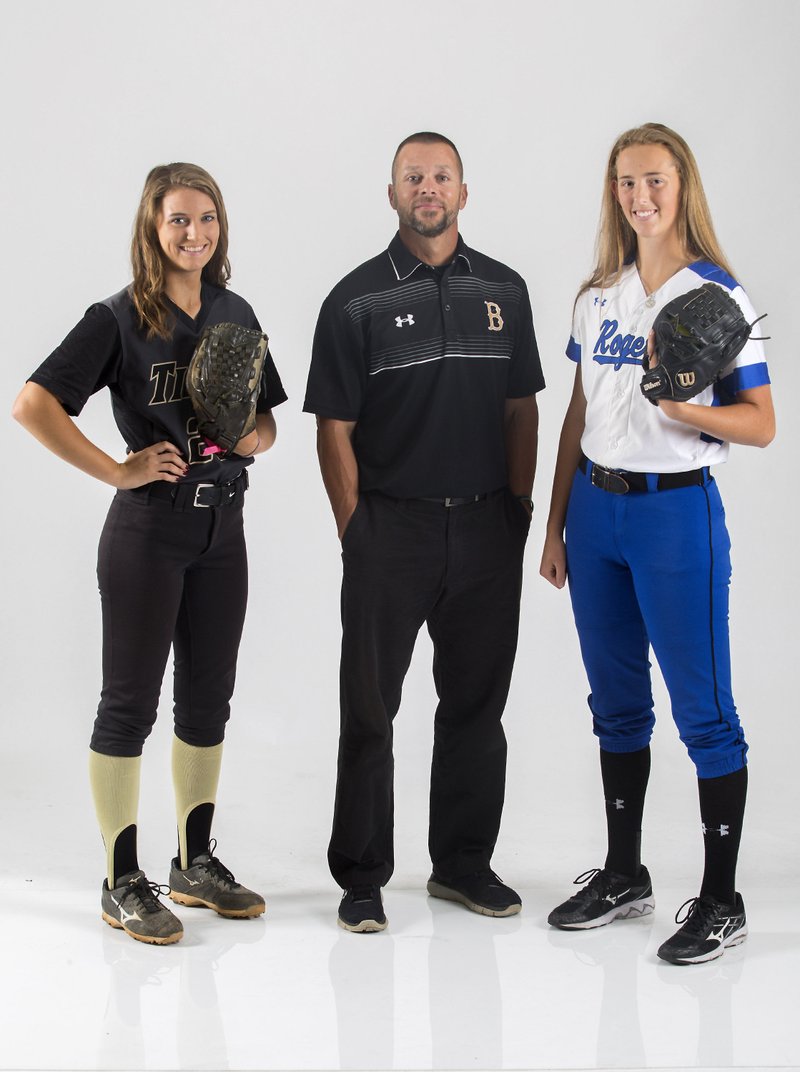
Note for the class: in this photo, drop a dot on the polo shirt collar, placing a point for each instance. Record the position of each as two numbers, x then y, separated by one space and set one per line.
404 263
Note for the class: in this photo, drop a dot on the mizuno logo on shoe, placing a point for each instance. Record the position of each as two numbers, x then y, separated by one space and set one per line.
728 926
613 898
123 915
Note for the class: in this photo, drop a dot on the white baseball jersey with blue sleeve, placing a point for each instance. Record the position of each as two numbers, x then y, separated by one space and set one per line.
609 338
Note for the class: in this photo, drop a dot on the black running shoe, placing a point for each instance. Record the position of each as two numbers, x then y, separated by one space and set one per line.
709 927
605 897
361 910
482 892
133 906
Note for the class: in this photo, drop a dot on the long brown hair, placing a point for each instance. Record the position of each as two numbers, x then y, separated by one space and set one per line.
616 239
147 258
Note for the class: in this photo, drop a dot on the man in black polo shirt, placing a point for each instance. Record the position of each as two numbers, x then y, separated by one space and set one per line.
423 379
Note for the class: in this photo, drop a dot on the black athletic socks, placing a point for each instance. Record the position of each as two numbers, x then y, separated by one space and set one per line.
198 830
625 776
125 855
722 803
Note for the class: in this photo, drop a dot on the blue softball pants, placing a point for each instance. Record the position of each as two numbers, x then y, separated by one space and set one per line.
653 569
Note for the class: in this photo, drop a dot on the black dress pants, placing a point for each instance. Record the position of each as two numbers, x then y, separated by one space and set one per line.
458 569
169 577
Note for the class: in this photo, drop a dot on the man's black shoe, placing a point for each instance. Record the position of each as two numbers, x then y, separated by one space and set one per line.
481 892
361 910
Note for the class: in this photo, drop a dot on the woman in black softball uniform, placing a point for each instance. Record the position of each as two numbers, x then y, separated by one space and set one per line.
172 562
647 551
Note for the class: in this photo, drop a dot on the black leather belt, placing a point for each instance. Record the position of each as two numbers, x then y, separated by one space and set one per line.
620 481
455 501
199 494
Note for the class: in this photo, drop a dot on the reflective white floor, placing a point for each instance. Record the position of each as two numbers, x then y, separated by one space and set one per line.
440 989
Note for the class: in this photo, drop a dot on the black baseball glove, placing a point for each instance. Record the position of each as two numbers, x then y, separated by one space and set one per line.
223 381
697 335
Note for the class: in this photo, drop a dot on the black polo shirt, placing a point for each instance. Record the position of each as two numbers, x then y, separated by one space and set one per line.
147 376
423 359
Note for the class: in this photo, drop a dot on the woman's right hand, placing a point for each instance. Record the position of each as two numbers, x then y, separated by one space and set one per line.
554 561
161 461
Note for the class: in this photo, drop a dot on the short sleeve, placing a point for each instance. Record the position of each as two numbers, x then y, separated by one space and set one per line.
272 392
337 378
525 375
574 346
86 361
750 367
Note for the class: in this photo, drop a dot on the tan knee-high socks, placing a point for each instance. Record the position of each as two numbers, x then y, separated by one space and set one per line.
195 775
115 788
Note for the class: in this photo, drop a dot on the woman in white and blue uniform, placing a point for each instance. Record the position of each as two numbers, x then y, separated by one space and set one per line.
646 550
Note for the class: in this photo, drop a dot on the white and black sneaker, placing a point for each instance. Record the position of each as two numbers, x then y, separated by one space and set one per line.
605 897
133 906
709 928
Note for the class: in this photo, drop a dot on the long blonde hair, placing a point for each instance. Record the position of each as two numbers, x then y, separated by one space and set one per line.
147 258
616 239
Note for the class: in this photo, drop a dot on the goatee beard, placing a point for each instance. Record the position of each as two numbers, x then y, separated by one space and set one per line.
430 230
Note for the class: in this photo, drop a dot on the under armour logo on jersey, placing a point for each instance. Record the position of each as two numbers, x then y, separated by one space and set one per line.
600 301
495 319
400 320
723 830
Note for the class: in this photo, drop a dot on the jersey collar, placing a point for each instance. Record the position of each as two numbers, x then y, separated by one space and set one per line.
404 263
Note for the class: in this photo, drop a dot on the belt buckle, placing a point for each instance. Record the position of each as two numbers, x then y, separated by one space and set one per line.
608 480
197 490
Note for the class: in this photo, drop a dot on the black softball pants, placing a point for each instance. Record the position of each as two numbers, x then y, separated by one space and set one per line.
458 569
169 577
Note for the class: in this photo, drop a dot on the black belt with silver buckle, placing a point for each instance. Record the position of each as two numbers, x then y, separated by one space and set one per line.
449 501
202 495
620 481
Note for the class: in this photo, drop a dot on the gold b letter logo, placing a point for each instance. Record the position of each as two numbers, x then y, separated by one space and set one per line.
495 319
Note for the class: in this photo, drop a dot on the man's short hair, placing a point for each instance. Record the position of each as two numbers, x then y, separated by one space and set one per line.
428 137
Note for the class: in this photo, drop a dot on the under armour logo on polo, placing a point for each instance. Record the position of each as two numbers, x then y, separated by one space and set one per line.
400 320
600 301
495 319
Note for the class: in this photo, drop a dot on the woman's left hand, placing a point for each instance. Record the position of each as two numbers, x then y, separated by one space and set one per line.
260 439
247 445
652 356
668 406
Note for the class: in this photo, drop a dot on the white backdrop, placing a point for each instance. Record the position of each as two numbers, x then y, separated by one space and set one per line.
296 110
